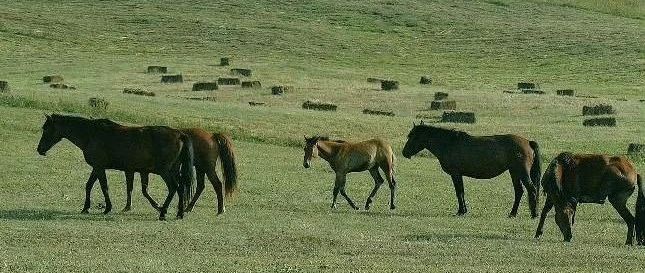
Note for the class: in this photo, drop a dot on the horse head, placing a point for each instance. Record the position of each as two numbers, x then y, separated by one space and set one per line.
311 150
417 140
51 135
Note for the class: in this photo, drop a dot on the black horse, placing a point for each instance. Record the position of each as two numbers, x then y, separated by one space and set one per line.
482 157
108 145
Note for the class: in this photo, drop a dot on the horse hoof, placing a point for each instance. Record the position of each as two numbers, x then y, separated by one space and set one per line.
85 211
392 207
162 218
512 215
126 209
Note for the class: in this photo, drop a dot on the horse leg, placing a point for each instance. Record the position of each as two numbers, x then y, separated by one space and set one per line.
88 190
389 175
129 183
172 189
532 192
145 178
180 192
619 203
548 205
219 190
458 182
378 181
519 191
344 194
104 189
198 191
340 181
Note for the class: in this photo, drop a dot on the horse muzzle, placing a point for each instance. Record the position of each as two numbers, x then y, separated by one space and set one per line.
41 152
306 165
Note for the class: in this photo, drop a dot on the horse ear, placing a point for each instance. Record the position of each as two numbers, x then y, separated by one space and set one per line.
47 117
421 122
414 124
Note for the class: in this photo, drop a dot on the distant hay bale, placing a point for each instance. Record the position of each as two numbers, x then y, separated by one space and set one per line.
228 81
374 80
202 98
600 109
320 106
224 61
636 149
255 103
201 86
565 92
389 85
172 78
4 86
604 121
443 105
458 117
137 91
440 95
52 78
157 69
533 91
61 86
526 85
425 80
98 103
241 71
509 92
281 89
251 84
378 112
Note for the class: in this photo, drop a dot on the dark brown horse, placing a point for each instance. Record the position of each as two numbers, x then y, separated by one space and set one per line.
345 157
208 148
588 178
482 157
108 145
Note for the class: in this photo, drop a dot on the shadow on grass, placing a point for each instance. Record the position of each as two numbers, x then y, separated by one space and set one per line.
51 214
444 237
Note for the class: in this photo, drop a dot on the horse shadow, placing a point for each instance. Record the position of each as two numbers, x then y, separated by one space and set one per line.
444 237
54 215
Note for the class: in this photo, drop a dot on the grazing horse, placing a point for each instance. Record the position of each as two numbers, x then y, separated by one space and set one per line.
345 157
571 179
108 145
481 157
208 148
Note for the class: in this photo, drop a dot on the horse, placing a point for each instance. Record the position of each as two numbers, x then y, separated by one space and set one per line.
208 148
572 179
345 157
482 157
109 145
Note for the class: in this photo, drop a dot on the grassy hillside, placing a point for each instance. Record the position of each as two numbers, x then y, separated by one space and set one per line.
280 220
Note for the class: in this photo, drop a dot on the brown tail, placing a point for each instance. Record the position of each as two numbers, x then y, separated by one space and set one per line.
536 168
187 179
227 157
640 213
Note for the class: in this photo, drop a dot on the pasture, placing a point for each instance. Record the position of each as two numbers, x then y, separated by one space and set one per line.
280 220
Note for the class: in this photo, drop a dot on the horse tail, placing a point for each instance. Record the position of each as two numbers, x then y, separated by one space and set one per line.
551 178
187 158
640 212
536 167
227 157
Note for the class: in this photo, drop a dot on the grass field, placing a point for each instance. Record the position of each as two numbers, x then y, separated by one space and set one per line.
280 220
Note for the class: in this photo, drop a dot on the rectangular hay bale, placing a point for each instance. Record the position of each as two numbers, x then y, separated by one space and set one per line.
251 84
378 112
440 95
228 81
204 86
137 91
241 71
172 78
565 92
604 121
320 106
4 86
157 69
600 109
52 79
443 105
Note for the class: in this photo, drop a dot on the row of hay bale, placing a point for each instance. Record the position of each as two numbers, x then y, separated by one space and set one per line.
137 91
600 109
320 106
388 84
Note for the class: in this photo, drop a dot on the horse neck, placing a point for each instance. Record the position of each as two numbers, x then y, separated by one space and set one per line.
439 148
77 132
327 149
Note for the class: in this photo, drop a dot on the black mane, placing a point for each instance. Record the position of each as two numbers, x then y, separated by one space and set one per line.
443 133
88 122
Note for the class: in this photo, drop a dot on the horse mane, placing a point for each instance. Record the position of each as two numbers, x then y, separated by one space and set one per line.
81 120
443 133
326 138
560 171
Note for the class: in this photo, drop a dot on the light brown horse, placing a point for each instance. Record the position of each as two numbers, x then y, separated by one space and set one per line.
481 157
345 157
208 148
571 179
108 145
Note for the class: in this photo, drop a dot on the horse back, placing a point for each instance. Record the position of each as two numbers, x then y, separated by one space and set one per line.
204 146
360 156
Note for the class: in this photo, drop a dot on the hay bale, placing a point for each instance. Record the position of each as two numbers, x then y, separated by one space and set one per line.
228 81
52 78
320 106
565 92
4 86
202 98
157 69
533 91
458 117
374 80
208 86
224 61
440 95
137 91
61 86
281 89
378 112
636 149
605 121
600 109
389 85
98 103
425 80
526 85
172 78
241 71
255 103
443 105
251 84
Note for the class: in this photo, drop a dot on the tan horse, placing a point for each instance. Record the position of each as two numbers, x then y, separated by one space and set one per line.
208 149
345 157
571 179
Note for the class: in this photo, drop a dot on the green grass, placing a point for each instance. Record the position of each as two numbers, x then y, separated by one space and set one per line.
280 220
